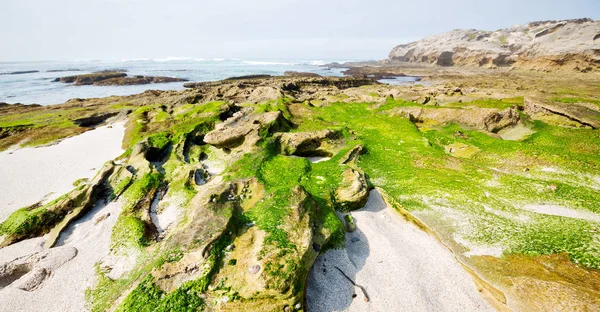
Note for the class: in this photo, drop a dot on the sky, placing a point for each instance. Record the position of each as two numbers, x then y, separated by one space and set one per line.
37 30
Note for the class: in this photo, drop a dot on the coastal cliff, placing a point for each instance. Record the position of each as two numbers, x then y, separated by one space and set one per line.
544 45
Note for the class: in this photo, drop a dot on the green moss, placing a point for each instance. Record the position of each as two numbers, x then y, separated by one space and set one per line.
159 140
32 221
273 106
140 188
503 40
490 103
574 100
129 231
149 297
414 169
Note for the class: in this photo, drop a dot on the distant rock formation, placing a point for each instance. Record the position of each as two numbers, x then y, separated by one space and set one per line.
21 72
546 45
114 78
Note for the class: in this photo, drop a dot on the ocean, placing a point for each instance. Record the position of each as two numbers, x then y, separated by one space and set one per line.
38 87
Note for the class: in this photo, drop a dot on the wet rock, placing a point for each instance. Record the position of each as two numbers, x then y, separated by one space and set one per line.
89 79
113 78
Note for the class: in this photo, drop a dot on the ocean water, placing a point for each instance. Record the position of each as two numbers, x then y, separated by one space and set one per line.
39 88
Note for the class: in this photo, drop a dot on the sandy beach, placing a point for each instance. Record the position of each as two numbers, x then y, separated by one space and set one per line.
30 175
401 268
64 287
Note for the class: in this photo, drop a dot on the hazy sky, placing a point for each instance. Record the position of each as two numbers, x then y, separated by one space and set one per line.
262 29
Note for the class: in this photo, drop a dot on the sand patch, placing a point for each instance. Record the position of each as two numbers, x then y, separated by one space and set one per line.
64 289
30 175
401 267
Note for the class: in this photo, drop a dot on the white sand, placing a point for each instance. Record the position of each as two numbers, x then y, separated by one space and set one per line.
64 290
28 175
401 267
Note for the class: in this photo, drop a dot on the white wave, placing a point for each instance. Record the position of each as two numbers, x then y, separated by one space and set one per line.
172 59
317 63
218 59
260 63
135 60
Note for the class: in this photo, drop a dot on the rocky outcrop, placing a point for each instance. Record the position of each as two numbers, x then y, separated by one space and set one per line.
233 131
114 79
22 72
580 114
263 88
309 144
300 74
546 45
486 119
55 216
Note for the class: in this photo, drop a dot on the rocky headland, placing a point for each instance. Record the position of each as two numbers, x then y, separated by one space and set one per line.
545 45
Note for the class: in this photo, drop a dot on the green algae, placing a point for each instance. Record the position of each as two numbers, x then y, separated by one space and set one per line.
412 167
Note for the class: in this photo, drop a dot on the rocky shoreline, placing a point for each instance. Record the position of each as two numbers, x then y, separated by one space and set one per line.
228 191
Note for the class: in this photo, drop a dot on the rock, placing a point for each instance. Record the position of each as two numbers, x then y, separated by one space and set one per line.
300 74
21 72
309 144
234 130
487 119
254 269
354 191
355 239
89 79
136 80
114 78
94 120
264 94
581 114
545 45
352 155
350 224
261 88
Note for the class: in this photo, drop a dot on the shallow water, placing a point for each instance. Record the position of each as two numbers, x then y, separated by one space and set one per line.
39 87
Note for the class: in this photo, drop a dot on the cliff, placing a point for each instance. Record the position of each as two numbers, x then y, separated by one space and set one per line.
545 45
